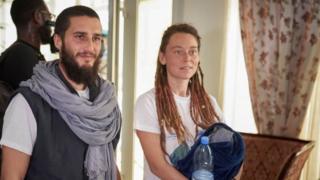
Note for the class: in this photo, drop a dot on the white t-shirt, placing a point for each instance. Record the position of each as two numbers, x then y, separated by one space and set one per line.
19 124
146 119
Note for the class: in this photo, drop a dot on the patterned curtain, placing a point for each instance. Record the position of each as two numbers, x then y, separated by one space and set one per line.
281 41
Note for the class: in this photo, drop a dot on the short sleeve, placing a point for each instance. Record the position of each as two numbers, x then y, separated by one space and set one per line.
145 114
217 109
19 126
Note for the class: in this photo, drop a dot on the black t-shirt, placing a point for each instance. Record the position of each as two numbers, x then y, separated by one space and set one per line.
17 62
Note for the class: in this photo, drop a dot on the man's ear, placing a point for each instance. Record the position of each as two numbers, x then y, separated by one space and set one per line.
57 41
38 17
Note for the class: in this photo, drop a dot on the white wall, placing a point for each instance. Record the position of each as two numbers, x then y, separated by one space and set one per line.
209 17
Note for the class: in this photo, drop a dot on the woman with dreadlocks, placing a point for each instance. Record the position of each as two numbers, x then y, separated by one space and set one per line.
169 117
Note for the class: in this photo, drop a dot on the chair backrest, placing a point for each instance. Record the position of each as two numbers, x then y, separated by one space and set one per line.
294 166
271 157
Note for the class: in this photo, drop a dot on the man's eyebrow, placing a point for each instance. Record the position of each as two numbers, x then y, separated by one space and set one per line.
176 47
98 34
79 32
180 47
82 32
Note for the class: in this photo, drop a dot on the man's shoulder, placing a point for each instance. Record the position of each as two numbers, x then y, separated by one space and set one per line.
22 49
105 83
18 49
26 91
35 101
30 96
19 55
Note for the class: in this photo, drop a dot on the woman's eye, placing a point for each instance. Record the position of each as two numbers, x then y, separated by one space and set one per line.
193 52
178 52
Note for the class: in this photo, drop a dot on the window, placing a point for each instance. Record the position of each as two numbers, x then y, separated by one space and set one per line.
236 99
154 17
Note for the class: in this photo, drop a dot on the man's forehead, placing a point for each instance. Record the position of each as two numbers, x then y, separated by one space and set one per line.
85 23
84 17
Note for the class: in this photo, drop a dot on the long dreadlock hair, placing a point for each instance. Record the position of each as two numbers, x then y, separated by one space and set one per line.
201 108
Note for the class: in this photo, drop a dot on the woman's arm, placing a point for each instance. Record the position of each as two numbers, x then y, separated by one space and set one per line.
14 164
238 176
159 166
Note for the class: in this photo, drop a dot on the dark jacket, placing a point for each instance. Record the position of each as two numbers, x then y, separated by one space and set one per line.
227 147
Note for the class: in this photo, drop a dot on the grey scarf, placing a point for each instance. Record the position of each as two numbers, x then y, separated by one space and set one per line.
96 123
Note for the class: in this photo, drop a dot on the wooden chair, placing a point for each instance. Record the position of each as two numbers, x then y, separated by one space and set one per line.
274 158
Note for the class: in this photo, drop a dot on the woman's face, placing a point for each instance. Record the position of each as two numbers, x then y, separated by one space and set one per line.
181 57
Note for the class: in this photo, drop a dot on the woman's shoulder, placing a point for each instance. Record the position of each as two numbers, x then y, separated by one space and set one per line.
217 108
213 100
212 97
147 96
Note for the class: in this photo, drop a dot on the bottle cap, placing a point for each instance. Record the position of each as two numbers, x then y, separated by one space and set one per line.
204 140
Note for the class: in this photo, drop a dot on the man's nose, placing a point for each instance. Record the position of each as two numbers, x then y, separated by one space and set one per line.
90 45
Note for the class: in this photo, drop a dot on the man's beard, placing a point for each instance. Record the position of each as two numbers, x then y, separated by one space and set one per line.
45 34
86 75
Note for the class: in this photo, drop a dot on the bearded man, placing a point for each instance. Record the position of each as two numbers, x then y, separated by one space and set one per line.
64 122
33 22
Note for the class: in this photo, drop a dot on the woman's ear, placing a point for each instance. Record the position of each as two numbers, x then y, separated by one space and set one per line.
57 41
162 59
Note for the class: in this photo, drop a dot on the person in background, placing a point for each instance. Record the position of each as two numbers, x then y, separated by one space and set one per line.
16 62
64 122
170 117
31 19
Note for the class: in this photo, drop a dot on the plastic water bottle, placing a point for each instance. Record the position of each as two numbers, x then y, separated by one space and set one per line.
202 159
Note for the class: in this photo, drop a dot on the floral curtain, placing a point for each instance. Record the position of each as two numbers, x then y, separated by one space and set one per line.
281 41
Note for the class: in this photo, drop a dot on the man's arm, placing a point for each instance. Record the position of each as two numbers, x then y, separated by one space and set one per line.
159 166
14 164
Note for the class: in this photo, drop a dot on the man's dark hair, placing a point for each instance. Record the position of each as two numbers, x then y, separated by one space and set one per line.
63 20
22 11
